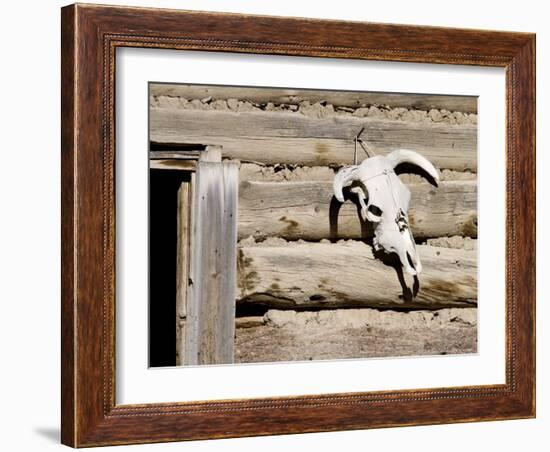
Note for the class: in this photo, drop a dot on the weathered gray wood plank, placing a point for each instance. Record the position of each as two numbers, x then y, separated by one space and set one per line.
228 247
172 164
182 266
337 98
293 138
211 309
307 275
186 156
302 210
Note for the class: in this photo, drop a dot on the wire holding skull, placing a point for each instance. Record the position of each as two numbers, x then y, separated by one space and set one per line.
358 139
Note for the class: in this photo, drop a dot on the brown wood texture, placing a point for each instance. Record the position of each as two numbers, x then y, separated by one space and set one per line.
91 34
449 278
308 211
270 138
184 222
68 243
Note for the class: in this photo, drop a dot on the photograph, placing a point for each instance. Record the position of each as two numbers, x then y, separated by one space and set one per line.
294 224
310 226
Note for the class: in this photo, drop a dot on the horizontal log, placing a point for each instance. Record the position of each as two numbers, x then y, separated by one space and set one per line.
173 164
352 99
318 275
271 138
354 333
283 173
302 210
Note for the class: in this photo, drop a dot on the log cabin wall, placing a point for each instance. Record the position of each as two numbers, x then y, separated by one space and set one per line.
308 284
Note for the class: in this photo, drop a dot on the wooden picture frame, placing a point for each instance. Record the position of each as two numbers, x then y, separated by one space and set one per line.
90 37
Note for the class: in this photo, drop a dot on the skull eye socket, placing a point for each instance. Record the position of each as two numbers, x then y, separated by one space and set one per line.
375 210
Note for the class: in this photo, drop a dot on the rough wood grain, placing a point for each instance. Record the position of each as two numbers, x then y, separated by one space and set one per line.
211 307
90 415
287 173
173 164
308 275
291 138
354 333
179 154
337 98
69 225
184 224
307 210
228 251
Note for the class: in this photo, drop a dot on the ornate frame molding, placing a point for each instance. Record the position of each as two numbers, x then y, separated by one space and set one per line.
90 37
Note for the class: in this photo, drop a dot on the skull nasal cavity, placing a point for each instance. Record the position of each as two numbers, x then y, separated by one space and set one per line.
375 210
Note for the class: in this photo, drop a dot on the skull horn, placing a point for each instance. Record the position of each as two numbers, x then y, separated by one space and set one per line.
400 156
344 177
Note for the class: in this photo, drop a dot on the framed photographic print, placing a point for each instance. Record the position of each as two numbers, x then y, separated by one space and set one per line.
281 225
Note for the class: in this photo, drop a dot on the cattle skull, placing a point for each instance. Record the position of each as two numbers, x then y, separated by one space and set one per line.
384 201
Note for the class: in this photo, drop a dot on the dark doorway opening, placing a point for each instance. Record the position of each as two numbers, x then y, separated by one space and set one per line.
163 210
